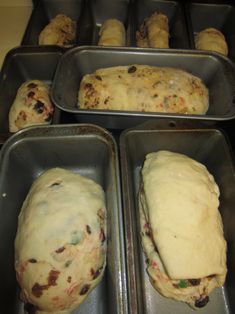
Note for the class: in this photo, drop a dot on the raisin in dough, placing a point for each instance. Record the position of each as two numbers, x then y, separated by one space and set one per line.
112 33
143 88
60 31
32 106
60 246
181 228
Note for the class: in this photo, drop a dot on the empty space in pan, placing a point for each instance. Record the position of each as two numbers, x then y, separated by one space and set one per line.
84 149
211 149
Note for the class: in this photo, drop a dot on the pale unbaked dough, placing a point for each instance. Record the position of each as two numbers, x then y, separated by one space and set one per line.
60 31
181 227
143 88
31 106
211 39
60 246
154 32
112 33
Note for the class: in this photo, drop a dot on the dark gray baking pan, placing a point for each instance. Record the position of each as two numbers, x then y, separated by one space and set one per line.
217 72
221 15
208 146
44 11
97 12
173 10
88 150
22 64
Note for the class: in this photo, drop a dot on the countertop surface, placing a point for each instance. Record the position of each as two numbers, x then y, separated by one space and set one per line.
14 17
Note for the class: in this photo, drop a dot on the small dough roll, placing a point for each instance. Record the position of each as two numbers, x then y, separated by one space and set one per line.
60 245
60 31
32 106
211 39
154 32
143 88
112 33
181 228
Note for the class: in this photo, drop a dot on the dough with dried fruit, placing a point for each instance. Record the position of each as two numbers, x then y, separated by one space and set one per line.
60 246
32 106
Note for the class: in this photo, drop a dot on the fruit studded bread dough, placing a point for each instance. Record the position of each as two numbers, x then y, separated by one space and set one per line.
32 106
182 210
211 39
154 32
60 31
112 33
143 88
194 291
60 246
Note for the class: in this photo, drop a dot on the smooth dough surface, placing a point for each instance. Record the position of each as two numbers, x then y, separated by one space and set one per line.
143 88
181 227
211 39
32 106
112 33
60 31
60 246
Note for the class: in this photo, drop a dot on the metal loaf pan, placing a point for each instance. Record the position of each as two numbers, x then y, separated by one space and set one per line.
96 12
88 150
220 15
44 11
208 146
22 64
217 72
173 10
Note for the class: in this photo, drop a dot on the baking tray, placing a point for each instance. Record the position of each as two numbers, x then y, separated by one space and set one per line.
44 11
88 150
208 146
217 72
174 10
220 15
21 64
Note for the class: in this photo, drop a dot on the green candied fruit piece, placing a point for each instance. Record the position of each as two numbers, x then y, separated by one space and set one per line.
75 238
67 263
182 284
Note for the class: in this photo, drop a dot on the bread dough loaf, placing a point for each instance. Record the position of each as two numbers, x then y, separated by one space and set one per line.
32 106
181 227
211 39
143 88
154 32
60 246
60 31
112 33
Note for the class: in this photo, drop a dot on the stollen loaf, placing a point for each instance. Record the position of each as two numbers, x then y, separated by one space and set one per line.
143 88
31 106
112 33
154 32
181 228
60 31
60 245
211 39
